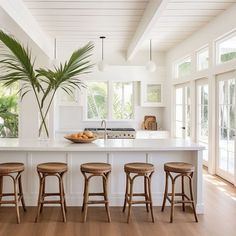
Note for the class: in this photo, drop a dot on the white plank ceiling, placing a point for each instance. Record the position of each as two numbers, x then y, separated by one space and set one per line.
77 21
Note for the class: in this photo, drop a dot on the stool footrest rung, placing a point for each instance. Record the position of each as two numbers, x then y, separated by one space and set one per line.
51 194
96 194
139 202
51 202
96 202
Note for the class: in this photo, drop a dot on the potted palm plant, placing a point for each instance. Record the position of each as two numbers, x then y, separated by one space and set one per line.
18 65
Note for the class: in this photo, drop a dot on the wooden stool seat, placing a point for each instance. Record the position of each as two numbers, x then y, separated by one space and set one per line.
11 167
138 167
58 170
179 167
95 167
13 170
134 170
52 167
183 170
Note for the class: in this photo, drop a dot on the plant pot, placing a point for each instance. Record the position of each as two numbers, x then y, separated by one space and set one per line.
43 127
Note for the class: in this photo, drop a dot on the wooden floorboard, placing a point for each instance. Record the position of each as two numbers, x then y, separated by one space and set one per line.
219 219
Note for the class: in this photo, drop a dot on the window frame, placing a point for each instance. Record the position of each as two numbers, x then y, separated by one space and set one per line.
110 102
198 52
177 63
220 40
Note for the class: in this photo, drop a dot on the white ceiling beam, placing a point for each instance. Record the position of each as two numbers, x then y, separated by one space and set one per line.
23 18
153 11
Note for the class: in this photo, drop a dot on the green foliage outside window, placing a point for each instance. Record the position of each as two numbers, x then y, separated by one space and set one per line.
8 112
227 56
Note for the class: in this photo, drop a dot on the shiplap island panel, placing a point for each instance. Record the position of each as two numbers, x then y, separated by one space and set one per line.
117 152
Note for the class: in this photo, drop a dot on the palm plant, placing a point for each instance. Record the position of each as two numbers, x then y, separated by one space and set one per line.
18 65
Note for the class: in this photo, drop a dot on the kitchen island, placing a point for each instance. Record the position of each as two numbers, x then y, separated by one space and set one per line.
117 152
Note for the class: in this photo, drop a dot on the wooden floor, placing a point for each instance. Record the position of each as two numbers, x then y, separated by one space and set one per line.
219 219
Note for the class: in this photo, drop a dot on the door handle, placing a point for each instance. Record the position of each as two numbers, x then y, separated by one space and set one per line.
183 127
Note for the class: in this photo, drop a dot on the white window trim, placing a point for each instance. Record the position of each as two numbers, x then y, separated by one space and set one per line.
109 103
201 50
219 40
177 62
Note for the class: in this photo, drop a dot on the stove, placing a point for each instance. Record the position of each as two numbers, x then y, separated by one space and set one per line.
114 133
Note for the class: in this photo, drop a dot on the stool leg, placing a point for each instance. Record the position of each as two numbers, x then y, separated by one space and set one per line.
146 192
126 192
165 193
62 201
41 179
65 206
150 195
21 193
172 200
86 197
43 195
130 198
1 187
192 199
183 193
16 200
104 180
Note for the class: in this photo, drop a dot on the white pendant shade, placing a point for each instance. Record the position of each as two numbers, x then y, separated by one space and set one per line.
101 65
151 66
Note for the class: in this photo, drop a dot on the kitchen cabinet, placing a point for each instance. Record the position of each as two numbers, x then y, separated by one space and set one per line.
151 94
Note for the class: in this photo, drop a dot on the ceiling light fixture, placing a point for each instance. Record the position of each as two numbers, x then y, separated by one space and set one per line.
150 66
102 64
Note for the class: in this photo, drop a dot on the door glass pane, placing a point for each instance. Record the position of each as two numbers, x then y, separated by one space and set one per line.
179 96
231 162
223 159
178 129
222 93
179 112
226 153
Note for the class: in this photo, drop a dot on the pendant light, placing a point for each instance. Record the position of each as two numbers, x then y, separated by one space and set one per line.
54 61
150 66
102 64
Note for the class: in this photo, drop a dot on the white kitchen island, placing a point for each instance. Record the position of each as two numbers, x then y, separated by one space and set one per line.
117 152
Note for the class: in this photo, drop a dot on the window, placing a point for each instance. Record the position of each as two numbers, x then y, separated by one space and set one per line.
202 117
183 68
97 100
122 105
117 104
203 59
8 111
226 49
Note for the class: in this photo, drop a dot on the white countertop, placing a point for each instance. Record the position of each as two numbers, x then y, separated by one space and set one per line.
99 145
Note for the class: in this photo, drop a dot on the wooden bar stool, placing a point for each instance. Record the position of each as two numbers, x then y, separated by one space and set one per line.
138 169
182 170
58 170
13 170
90 170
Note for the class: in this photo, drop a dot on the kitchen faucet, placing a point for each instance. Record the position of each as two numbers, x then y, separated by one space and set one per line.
105 128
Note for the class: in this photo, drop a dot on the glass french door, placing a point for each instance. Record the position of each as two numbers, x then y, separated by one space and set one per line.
182 111
202 116
225 164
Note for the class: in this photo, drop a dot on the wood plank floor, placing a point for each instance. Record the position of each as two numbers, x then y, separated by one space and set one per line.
219 219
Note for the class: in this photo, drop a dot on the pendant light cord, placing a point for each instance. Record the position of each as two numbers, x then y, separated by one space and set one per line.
55 48
150 50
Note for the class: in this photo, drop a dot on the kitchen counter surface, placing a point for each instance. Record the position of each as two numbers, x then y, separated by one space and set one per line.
100 145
